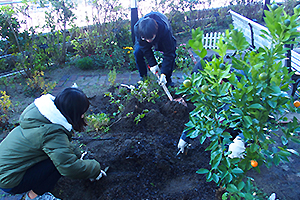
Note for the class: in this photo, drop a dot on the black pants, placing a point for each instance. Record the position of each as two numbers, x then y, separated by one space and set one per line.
40 178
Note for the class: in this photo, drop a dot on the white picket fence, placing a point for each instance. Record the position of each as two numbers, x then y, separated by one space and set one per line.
210 40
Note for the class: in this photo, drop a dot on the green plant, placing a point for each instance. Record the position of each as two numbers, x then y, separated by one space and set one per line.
144 92
139 117
85 63
255 104
159 57
38 84
98 122
129 57
5 104
115 101
112 75
183 59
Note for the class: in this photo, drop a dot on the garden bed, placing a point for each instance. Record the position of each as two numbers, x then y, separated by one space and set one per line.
142 157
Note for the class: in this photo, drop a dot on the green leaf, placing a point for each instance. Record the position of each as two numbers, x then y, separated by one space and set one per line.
254 147
216 178
203 53
228 178
296 140
202 139
237 171
213 145
293 151
216 161
237 111
209 176
241 185
247 121
276 159
273 104
232 188
256 105
202 171
284 153
284 140
193 134
226 135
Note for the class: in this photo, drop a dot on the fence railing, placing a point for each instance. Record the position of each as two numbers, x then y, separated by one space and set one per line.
210 40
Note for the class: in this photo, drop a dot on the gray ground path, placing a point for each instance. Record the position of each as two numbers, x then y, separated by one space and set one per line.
83 81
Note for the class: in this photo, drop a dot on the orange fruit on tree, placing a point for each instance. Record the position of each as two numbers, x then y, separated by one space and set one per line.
297 103
254 163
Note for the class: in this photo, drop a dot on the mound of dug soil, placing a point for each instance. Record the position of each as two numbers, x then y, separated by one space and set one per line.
142 157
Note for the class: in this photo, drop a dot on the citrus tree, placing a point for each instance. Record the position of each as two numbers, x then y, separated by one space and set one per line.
249 95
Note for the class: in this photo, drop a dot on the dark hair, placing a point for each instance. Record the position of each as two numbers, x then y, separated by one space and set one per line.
73 103
147 28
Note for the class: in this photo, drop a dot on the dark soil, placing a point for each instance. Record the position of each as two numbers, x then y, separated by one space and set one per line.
142 158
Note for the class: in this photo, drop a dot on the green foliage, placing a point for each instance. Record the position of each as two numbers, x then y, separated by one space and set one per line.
14 40
139 117
58 16
85 63
144 92
183 59
37 84
184 17
247 101
129 57
98 122
116 101
112 75
5 105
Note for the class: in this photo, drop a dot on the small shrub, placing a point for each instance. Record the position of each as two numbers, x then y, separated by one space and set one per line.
183 59
112 75
85 63
5 104
144 92
37 84
98 122
139 117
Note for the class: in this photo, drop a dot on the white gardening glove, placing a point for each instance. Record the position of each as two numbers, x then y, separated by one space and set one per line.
237 148
162 80
181 145
102 173
154 69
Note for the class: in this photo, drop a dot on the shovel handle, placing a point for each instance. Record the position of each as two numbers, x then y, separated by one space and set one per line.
167 92
164 87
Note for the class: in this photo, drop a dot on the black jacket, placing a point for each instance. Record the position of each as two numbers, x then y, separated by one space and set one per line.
164 41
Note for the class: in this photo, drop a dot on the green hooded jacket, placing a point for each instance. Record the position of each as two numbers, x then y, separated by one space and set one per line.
43 133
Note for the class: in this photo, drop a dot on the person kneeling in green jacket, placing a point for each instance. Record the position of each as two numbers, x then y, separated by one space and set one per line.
35 154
